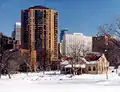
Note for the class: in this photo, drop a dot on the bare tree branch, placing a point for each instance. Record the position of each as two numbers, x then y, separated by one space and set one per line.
76 52
113 47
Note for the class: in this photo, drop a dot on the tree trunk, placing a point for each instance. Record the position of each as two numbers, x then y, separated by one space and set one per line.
8 74
0 74
107 74
43 69
81 70
73 71
116 71
70 71
65 70
27 71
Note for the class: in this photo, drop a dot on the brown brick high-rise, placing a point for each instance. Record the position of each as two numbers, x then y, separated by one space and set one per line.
100 43
39 27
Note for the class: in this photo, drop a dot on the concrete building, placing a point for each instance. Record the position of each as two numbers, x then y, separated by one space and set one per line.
5 44
60 49
17 28
16 34
62 33
13 35
99 44
40 33
75 39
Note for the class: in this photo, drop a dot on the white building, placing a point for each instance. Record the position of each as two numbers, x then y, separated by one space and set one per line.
75 40
17 29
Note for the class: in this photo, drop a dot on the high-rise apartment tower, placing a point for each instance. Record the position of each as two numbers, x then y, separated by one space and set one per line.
39 27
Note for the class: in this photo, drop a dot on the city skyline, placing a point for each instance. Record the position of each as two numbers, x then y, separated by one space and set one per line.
78 16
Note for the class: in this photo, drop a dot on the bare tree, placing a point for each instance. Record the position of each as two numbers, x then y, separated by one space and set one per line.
5 65
11 62
113 47
45 61
76 52
25 62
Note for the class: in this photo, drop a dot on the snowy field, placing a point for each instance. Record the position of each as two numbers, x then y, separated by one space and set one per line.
55 82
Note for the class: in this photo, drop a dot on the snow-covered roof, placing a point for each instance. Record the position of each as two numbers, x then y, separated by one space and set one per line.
95 53
83 61
77 66
68 66
65 62
92 62
89 62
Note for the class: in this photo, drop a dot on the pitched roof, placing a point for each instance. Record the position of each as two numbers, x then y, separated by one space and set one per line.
93 56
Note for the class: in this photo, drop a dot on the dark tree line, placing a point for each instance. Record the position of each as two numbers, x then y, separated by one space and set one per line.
12 62
45 60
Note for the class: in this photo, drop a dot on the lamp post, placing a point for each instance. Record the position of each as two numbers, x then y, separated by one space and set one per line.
106 66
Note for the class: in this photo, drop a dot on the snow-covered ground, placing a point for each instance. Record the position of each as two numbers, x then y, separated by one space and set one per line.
55 82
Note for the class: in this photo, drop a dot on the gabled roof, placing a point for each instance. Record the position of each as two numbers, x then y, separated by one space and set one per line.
94 56
95 59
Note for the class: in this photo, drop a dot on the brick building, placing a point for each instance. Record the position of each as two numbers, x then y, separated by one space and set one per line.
39 31
5 44
99 44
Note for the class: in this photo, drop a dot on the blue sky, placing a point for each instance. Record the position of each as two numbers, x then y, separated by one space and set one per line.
83 16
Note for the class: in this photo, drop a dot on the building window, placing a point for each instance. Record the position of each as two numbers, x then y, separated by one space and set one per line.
44 13
89 68
44 27
94 69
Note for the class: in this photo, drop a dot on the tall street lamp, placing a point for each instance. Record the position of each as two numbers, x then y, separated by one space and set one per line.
106 66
